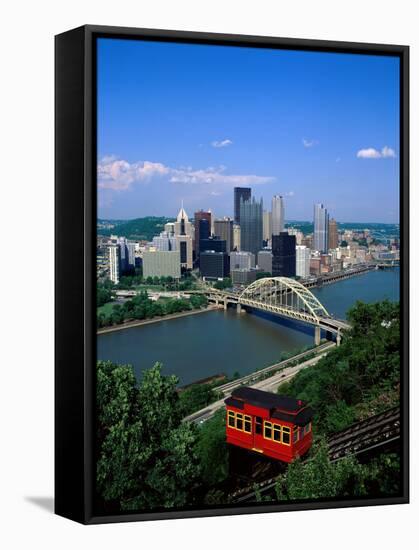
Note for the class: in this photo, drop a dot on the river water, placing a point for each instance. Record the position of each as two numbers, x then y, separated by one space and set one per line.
197 346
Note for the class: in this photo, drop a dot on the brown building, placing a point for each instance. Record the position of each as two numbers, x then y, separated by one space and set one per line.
224 230
315 266
333 234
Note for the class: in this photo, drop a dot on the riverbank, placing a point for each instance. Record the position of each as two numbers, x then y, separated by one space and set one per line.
141 322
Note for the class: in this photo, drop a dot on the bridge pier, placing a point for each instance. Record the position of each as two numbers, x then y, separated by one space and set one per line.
239 308
225 304
338 339
317 335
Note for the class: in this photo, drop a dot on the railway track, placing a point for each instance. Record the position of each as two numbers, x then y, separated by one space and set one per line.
375 432
228 387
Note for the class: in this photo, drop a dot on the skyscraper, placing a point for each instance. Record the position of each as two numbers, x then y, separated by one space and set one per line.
240 193
205 227
278 215
114 252
302 258
267 225
333 234
183 233
251 225
283 255
182 224
224 230
321 228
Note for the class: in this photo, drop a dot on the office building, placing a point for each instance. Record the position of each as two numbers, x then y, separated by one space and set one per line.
333 234
299 236
243 276
182 225
224 230
213 243
214 265
302 259
265 260
251 225
278 215
315 266
184 232
267 226
131 255
240 193
236 237
242 260
321 228
164 242
169 228
114 256
283 252
159 263
184 245
202 222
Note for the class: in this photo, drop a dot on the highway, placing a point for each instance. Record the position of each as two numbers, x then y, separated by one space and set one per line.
268 384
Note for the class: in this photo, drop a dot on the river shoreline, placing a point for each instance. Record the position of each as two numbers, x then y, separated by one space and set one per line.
141 322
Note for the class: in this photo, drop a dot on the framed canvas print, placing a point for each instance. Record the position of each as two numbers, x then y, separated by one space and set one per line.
231 274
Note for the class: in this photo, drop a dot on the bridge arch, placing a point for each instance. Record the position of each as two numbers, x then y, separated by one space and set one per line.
284 296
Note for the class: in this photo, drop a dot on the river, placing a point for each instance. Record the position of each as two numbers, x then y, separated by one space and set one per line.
214 342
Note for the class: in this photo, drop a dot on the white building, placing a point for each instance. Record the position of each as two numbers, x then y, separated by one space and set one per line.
164 242
278 215
159 263
236 237
114 263
302 261
184 233
182 225
267 225
299 236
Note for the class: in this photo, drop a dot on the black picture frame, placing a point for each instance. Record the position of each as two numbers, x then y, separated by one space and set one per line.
75 241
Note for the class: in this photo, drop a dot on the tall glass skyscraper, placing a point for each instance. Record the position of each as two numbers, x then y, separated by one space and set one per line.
321 228
278 215
240 193
283 255
251 225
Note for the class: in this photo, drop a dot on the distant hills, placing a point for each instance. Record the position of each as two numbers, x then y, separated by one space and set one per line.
146 228
137 229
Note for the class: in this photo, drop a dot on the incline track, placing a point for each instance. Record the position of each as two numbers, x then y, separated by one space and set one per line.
373 433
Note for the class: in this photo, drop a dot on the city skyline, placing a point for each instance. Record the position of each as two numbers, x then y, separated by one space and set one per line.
308 130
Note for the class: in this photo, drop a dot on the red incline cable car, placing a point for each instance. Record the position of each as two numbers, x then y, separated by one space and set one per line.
274 425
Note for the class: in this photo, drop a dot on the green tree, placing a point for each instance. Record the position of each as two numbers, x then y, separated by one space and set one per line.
212 450
146 456
318 478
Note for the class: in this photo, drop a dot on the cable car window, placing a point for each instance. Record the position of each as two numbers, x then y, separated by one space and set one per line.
295 435
258 425
231 419
239 421
286 435
277 432
268 430
307 428
247 424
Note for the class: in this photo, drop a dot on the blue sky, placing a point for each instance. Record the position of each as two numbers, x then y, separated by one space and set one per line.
181 121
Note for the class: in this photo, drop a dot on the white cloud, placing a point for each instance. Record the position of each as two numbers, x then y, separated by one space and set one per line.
223 143
371 153
120 175
289 194
388 152
309 143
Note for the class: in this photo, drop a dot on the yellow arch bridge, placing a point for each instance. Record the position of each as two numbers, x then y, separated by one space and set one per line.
284 297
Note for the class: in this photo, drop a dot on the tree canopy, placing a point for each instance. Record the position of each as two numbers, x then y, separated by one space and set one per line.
146 455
